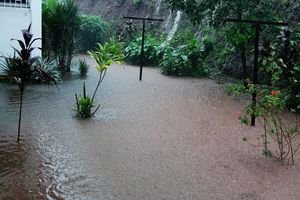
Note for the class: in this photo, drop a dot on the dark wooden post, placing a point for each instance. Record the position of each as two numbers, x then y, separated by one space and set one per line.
142 51
257 24
143 39
255 71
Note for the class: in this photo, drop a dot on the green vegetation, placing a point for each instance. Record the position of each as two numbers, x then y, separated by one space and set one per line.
231 53
84 105
61 24
232 43
24 69
270 103
105 55
153 50
93 30
83 68
185 60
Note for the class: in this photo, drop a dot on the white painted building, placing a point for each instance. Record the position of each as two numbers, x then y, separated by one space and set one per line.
16 15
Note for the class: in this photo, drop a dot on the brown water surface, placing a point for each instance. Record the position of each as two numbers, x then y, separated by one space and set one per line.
162 138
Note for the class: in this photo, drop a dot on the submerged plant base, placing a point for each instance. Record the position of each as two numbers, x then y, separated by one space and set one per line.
85 105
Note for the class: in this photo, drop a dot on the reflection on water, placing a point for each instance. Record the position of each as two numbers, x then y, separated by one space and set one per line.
41 165
163 138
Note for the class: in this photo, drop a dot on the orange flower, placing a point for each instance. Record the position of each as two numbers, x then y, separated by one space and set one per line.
238 115
275 92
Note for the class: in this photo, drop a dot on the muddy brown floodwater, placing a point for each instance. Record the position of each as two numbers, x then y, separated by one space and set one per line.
162 138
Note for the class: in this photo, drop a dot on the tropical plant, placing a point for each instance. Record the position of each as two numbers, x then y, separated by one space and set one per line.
61 24
278 138
105 55
23 68
185 60
83 68
152 48
93 30
84 105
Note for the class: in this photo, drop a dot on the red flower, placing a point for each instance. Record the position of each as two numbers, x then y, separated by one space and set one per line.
238 115
275 92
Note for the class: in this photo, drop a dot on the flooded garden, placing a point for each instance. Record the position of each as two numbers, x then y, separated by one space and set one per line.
138 146
90 129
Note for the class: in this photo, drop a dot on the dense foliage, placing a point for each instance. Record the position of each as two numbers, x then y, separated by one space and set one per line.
152 48
61 24
186 60
233 47
93 30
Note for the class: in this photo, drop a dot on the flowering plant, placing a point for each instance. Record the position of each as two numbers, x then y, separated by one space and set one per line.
277 139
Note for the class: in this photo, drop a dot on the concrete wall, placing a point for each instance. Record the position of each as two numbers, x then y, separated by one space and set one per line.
13 20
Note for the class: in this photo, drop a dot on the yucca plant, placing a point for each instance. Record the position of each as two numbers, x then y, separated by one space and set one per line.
24 69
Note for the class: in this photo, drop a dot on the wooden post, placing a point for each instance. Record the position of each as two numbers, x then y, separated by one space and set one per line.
257 24
255 71
143 39
142 51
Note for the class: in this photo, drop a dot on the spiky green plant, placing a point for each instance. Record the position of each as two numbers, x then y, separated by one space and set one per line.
84 105
83 68
61 24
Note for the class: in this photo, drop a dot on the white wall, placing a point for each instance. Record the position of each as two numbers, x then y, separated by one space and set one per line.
13 20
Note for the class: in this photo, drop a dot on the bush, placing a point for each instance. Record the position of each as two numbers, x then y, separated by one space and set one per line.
93 30
83 68
84 105
61 24
153 51
278 138
186 60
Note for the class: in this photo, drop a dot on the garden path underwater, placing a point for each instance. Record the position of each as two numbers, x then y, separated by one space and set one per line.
162 138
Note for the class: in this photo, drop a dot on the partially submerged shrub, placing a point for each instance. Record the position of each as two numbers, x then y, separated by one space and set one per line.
85 105
83 68
278 138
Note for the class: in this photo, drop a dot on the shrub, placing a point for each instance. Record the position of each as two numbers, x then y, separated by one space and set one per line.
183 36
83 67
61 24
93 30
278 138
152 48
186 60
84 105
